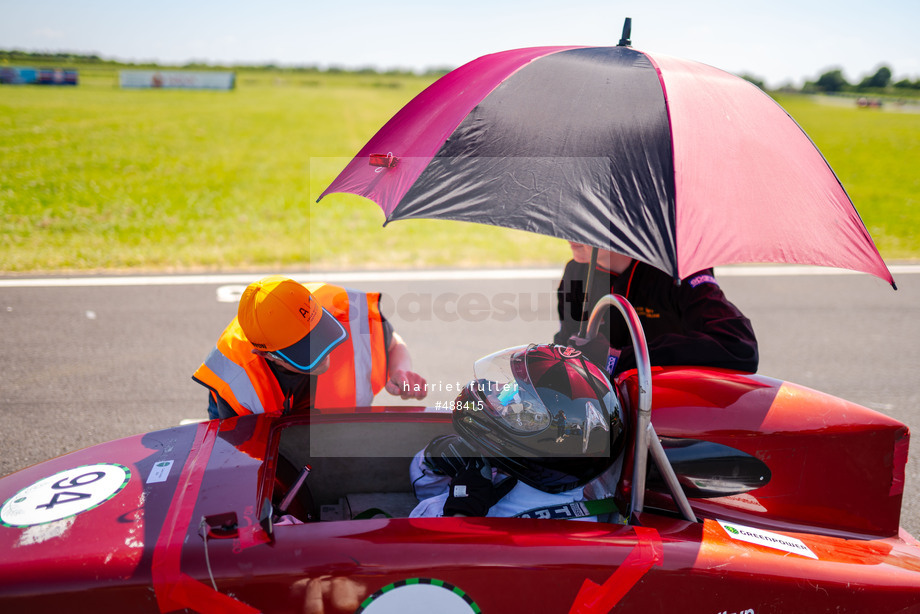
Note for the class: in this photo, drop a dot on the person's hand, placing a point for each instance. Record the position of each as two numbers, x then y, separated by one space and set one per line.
596 350
449 455
407 385
329 595
472 492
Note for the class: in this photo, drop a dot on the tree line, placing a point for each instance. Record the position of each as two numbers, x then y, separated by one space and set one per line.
42 57
833 81
830 82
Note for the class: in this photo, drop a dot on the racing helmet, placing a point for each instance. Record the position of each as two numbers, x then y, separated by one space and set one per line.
543 414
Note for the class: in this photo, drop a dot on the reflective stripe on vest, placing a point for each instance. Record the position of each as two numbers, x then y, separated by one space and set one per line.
241 378
236 379
358 369
361 347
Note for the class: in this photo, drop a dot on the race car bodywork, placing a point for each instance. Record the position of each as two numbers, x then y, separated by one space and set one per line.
180 519
761 496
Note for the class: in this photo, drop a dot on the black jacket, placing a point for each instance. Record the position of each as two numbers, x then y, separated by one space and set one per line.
691 323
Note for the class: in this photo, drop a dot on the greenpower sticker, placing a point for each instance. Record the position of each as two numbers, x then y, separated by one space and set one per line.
159 472
64 494
769 539
419 596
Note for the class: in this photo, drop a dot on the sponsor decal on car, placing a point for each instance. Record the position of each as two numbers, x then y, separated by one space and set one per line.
768 539
160 472
64 494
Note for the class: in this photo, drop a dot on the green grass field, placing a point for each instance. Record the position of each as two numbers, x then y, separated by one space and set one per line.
876 155
95 177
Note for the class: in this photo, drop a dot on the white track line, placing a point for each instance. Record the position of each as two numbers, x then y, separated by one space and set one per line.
390 276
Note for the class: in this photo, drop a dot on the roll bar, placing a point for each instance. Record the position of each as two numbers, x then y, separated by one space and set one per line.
646 439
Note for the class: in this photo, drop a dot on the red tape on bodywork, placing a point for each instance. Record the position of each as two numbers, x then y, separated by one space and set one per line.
175 590
596 598
899 463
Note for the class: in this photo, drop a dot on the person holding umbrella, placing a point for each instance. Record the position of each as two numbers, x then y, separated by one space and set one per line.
294 347
685 323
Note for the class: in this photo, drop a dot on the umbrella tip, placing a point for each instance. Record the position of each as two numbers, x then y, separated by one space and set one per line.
627 33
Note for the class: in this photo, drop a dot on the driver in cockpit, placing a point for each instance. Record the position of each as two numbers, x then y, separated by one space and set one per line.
539 434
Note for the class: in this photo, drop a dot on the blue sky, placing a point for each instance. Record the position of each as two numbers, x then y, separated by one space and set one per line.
779 41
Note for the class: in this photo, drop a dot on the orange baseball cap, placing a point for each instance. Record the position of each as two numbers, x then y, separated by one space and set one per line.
280 316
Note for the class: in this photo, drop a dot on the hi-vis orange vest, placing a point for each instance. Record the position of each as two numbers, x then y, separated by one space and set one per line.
357 372
359 364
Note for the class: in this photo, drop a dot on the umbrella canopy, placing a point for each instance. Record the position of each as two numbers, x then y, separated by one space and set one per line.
669 161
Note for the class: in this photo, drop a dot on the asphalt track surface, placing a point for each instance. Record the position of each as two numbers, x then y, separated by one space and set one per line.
93 359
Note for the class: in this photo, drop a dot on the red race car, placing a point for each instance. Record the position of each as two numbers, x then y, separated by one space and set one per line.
741 493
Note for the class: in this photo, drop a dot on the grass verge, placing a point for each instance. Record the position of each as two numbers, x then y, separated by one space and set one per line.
95 177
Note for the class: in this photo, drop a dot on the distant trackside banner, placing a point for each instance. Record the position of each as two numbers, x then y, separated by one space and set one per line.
173 79
20 75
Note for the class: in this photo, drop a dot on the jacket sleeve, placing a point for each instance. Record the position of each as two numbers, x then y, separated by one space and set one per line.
715 332
570 297
218 407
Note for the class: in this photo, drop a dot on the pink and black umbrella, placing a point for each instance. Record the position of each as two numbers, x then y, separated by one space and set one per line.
669 161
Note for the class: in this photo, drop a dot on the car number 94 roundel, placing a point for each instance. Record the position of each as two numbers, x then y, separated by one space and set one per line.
64 494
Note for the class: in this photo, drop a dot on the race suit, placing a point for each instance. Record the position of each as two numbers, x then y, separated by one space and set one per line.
432 491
